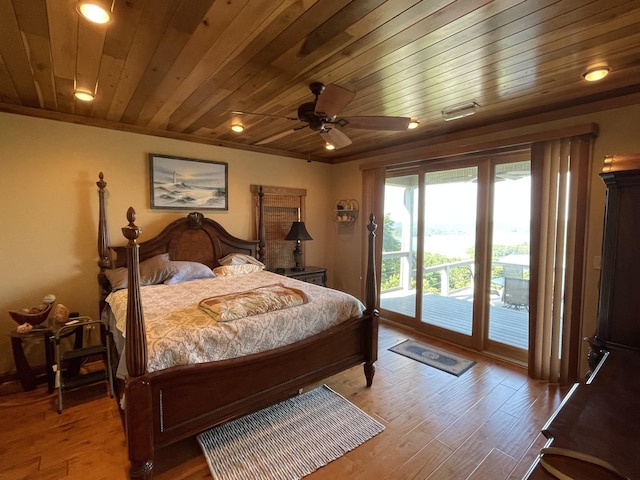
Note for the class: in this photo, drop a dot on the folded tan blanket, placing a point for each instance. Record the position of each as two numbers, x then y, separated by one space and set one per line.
224 308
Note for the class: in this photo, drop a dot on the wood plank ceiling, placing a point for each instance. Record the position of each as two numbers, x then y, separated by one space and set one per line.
180 67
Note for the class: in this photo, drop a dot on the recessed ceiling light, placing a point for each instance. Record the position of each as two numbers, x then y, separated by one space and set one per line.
96 11
596 73
329 146
413 124
83 95
237 127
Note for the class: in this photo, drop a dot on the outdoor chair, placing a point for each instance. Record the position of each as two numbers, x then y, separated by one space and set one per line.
516 293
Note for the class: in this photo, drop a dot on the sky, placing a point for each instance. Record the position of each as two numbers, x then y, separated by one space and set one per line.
451 213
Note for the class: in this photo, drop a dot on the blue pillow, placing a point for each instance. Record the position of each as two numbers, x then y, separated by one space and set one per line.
152 271
185 271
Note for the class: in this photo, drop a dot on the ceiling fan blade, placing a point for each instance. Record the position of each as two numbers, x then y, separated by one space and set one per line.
238 112
376 123
335 137
277 136
333 100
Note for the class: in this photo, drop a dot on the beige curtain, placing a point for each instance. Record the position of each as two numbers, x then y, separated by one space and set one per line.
560 179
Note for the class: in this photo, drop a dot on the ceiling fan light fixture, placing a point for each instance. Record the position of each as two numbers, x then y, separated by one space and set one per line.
329 146
96 11
413 124
84 96
237 127
594 74
459 111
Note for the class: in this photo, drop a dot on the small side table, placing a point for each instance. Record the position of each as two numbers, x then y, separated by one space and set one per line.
315 275
39 334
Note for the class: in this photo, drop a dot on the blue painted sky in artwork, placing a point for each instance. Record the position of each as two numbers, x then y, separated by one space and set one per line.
193 174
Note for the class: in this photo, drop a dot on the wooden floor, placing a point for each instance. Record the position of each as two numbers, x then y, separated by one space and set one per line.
482 425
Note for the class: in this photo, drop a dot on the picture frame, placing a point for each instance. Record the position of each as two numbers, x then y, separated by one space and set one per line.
180 183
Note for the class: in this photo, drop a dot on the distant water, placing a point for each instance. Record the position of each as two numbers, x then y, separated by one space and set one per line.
458 246
182 195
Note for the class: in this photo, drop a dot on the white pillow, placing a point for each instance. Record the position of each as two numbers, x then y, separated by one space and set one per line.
231 270
239 259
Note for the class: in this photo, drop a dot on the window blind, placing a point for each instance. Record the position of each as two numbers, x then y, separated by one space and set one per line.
282 207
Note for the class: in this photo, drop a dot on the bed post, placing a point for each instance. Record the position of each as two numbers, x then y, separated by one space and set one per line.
371 296
136 342
137 390
261 227
104 261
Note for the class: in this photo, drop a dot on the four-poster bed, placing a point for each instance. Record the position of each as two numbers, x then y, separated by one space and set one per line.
170 404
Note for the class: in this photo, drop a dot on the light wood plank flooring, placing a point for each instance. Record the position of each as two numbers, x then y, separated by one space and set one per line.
482 425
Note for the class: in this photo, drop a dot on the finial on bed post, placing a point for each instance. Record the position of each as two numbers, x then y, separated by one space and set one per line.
136 341
371 298
262 233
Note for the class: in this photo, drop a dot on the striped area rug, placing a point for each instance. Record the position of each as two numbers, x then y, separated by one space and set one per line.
288 440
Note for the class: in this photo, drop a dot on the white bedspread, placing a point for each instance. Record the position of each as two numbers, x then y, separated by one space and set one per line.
179 333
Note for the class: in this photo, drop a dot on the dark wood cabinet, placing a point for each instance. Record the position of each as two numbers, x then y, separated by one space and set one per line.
618 319
598 419
28 378
315 275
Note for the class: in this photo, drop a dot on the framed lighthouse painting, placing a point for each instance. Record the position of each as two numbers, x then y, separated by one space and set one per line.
178 183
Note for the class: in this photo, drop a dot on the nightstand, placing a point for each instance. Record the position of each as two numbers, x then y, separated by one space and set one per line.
315 275
39 335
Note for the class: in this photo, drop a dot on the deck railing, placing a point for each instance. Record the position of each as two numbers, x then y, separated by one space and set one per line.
408 271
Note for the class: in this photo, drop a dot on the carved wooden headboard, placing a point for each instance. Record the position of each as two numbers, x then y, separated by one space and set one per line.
193 238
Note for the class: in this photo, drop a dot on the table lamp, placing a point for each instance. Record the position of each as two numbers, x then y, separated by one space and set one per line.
298 233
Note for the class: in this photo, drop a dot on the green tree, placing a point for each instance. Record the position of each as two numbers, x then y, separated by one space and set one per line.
391 235
459 277
390 268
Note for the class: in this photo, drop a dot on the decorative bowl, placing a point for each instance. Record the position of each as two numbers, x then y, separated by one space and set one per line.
33 316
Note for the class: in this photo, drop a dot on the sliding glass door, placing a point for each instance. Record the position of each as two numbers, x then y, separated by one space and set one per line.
399 246
456 253
509 312
448 243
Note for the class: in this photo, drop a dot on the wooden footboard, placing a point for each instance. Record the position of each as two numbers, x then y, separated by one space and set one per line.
168 405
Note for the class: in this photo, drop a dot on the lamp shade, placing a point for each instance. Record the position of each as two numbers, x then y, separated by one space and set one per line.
298 232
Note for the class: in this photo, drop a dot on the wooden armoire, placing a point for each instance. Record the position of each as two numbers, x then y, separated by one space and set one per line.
599 418
619 307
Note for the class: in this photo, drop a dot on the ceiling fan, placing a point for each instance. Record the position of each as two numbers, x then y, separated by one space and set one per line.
321 115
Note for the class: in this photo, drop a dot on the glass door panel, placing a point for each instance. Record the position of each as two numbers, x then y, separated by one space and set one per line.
438 226
509 292
398 276
450 205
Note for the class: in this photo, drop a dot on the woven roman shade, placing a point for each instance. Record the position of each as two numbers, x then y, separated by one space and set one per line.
282 206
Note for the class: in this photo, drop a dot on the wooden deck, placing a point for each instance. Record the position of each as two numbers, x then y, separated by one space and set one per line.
506 325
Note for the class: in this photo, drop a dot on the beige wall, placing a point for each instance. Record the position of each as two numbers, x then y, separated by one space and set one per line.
619 133
49 206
